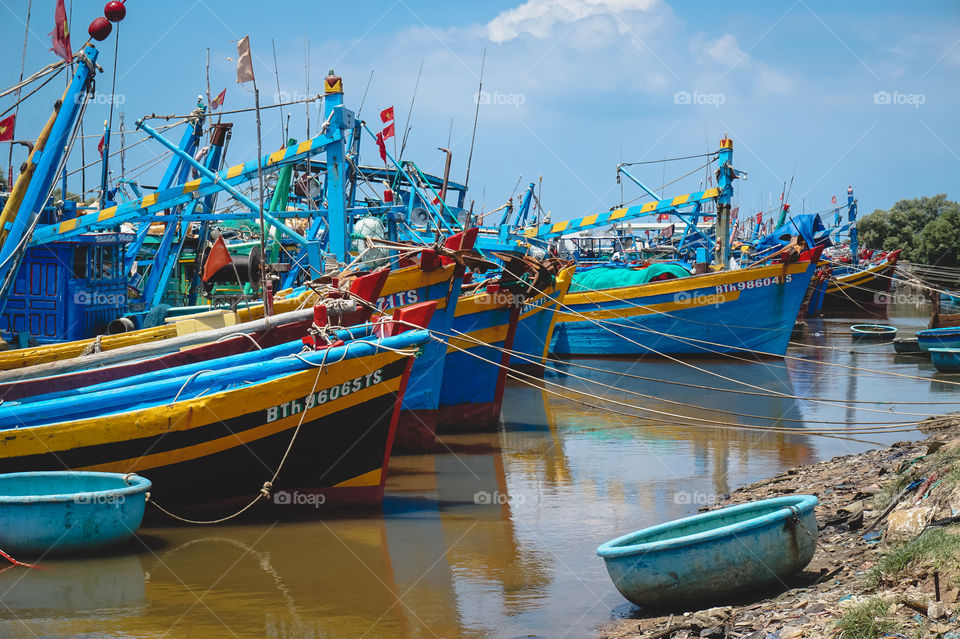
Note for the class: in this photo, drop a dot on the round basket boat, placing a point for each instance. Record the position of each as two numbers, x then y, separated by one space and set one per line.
939 338
714 556
873 331
66 512
906 345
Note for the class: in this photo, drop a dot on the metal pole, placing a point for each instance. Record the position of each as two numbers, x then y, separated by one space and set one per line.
263 232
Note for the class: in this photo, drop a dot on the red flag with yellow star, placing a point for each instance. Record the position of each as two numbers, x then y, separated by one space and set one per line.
61 33
6 128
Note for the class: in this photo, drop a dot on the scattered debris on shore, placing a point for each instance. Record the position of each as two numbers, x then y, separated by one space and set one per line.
888 556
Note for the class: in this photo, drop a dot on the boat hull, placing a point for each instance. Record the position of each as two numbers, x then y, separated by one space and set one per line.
938 338
860 290
714 556
475 368
66 512
946 360
747 311
536 324
222 447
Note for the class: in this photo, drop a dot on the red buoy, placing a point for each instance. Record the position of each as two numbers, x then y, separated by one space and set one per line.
100 29
115 11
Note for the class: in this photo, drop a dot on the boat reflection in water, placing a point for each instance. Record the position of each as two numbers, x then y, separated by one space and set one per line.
494 535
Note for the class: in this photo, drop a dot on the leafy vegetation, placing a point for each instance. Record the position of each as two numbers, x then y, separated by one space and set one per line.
865 620
926 228
935 549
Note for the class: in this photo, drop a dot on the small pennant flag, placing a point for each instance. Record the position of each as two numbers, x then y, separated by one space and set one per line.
244 63
387 115
734 212
61 33
760 218
833 200
382 147
217 102
218 258
100 146
389 131
6 128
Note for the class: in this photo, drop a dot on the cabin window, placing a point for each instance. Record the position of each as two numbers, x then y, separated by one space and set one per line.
109 260
81 258
97 257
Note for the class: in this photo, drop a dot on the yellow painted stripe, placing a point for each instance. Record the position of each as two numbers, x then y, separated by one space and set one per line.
234 171
616 215
191 186
106 214
680 199
590 219
484 335
148 200
711 193
303 147
649 206
276 156
68 225
371 478
649 309
188 415
694 282
559 226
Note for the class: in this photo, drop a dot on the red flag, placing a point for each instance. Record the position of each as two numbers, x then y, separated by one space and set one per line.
760 218
667 232
833 200
100 146
386 115
389 131
61 33
6 128
217 102
663 217
734 212
217 259
382 146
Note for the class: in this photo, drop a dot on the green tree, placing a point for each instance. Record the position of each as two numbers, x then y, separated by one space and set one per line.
926 230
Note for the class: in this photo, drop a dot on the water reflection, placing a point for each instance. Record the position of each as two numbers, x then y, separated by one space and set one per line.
495 534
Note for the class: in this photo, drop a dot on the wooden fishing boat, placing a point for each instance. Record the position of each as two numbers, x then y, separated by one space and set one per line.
880 332
26 383
323 420
939 318
938 338
749 311
63 512
538 317
862 288
906 345
714 556
945 360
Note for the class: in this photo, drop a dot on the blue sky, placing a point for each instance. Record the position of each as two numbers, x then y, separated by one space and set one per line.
832 93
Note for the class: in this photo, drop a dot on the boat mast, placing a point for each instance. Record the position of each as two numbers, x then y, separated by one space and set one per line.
725 177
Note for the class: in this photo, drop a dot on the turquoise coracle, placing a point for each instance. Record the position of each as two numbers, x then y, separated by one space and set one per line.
63 512
714 556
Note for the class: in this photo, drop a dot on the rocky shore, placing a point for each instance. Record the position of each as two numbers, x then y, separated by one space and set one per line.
888 556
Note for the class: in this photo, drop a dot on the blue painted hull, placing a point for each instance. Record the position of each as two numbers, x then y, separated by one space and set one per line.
938 338
536 325
68 512
716 555
744 312
946 360
474 372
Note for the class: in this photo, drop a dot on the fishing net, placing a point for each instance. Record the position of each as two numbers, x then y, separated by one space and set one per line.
614 275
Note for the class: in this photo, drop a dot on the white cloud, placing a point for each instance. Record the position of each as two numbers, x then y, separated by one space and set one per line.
538 17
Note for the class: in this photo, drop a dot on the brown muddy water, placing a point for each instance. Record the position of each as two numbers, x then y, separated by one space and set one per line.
494 536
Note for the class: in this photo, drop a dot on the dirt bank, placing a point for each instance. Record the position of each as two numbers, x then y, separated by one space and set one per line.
900 579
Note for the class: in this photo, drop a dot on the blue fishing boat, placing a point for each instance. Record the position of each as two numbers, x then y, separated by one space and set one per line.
946 360
711 557
880 332
64 512
741 312
939 338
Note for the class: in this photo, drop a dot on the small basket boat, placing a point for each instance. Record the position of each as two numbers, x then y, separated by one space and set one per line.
939 338
906 345
946 360
873 332
65 512
714 556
